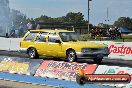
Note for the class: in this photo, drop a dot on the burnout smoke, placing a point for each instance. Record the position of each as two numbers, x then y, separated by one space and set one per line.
4 17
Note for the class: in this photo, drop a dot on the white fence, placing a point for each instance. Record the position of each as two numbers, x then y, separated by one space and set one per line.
9 43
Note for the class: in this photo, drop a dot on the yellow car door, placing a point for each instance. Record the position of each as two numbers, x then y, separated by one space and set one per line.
28 40
41 43
54 46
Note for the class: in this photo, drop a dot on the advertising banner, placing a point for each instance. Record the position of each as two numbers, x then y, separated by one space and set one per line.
103 69
14 67
19 65
62 70
119 50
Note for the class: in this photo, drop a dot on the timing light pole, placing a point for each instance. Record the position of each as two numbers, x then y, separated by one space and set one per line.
88 16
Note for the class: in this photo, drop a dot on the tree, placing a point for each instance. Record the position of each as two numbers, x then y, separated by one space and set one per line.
70 21
74 17
124 22
69 18
43 18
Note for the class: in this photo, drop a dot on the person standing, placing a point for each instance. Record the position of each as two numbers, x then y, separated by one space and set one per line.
21 30
38 26
29 26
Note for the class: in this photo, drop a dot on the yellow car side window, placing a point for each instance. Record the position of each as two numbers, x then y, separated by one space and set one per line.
53 38
41 37
30 36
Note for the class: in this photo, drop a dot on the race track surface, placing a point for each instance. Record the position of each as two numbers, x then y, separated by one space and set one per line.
11 84
109 62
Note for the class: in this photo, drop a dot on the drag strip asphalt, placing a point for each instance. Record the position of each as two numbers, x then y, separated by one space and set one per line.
109 62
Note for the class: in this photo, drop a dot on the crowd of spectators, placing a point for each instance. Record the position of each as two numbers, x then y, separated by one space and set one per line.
112 33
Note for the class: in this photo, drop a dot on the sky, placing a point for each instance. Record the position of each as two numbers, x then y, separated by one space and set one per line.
58 8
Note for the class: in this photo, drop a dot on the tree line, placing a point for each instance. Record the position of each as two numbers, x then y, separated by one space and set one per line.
124 22
71 19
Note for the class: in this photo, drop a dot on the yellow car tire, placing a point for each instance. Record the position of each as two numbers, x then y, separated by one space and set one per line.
32 52
71 56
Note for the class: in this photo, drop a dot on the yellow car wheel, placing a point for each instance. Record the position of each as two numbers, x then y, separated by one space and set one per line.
32 52
71 56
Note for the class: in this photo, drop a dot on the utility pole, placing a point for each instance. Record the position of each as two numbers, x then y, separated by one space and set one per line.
88 16
107 19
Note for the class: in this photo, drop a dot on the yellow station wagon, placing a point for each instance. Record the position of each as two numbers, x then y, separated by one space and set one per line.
61 44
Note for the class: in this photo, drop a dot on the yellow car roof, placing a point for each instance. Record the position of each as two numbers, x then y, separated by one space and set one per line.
50 30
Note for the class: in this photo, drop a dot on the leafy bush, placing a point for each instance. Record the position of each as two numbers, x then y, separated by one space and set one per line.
86 36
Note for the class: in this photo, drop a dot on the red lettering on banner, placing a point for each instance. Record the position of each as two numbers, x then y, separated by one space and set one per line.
68 66
121 50
63 70
123 72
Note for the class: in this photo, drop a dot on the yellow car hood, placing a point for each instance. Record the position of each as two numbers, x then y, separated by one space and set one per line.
86 44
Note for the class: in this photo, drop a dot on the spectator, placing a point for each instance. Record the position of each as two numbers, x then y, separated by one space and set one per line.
112 33
29 26
21 30
100 32
96 33
118 34
92 33
38 26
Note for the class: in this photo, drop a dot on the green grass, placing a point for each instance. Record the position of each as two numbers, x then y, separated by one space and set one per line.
123 40
126 38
